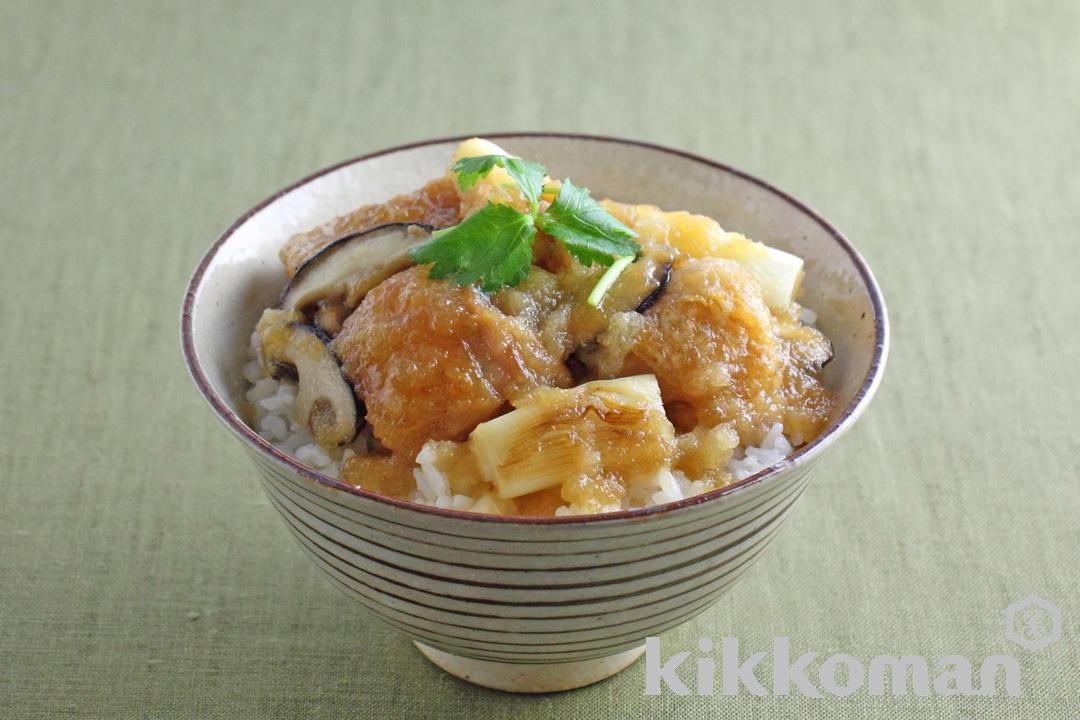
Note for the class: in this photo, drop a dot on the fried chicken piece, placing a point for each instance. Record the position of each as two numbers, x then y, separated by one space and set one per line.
714 347
431 361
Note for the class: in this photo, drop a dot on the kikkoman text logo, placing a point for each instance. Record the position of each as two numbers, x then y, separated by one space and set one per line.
1032 623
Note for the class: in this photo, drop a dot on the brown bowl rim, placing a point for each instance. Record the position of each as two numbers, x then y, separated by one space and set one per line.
844 421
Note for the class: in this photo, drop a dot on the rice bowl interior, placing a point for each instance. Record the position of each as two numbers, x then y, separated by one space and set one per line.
702 424
242 274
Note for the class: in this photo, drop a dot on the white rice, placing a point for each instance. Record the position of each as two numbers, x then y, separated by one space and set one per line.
273 402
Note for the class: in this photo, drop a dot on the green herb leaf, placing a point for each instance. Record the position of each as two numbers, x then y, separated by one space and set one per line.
528 175
471 169
492 246
589 232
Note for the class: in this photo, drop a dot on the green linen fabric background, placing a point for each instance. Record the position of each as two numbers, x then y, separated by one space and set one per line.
144 575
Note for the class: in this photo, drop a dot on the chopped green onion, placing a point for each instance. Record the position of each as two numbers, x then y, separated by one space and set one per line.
608 279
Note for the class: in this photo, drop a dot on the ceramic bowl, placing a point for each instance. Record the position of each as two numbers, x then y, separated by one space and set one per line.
533 604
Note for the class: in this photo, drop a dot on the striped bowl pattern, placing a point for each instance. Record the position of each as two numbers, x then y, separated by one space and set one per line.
533 591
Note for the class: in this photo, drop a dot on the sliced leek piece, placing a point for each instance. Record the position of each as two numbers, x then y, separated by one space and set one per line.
555 435
777 272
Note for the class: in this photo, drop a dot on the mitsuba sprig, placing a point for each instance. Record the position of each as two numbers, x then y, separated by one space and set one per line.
493 247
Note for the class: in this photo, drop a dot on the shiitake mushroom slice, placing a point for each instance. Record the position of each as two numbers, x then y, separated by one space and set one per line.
325 401
345 270
649 300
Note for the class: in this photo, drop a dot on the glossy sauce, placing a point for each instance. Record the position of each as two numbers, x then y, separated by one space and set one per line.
431 361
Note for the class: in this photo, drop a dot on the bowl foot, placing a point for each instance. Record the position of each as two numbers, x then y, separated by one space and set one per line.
529 678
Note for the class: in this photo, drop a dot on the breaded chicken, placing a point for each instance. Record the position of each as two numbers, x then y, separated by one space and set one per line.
431 360
716 350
